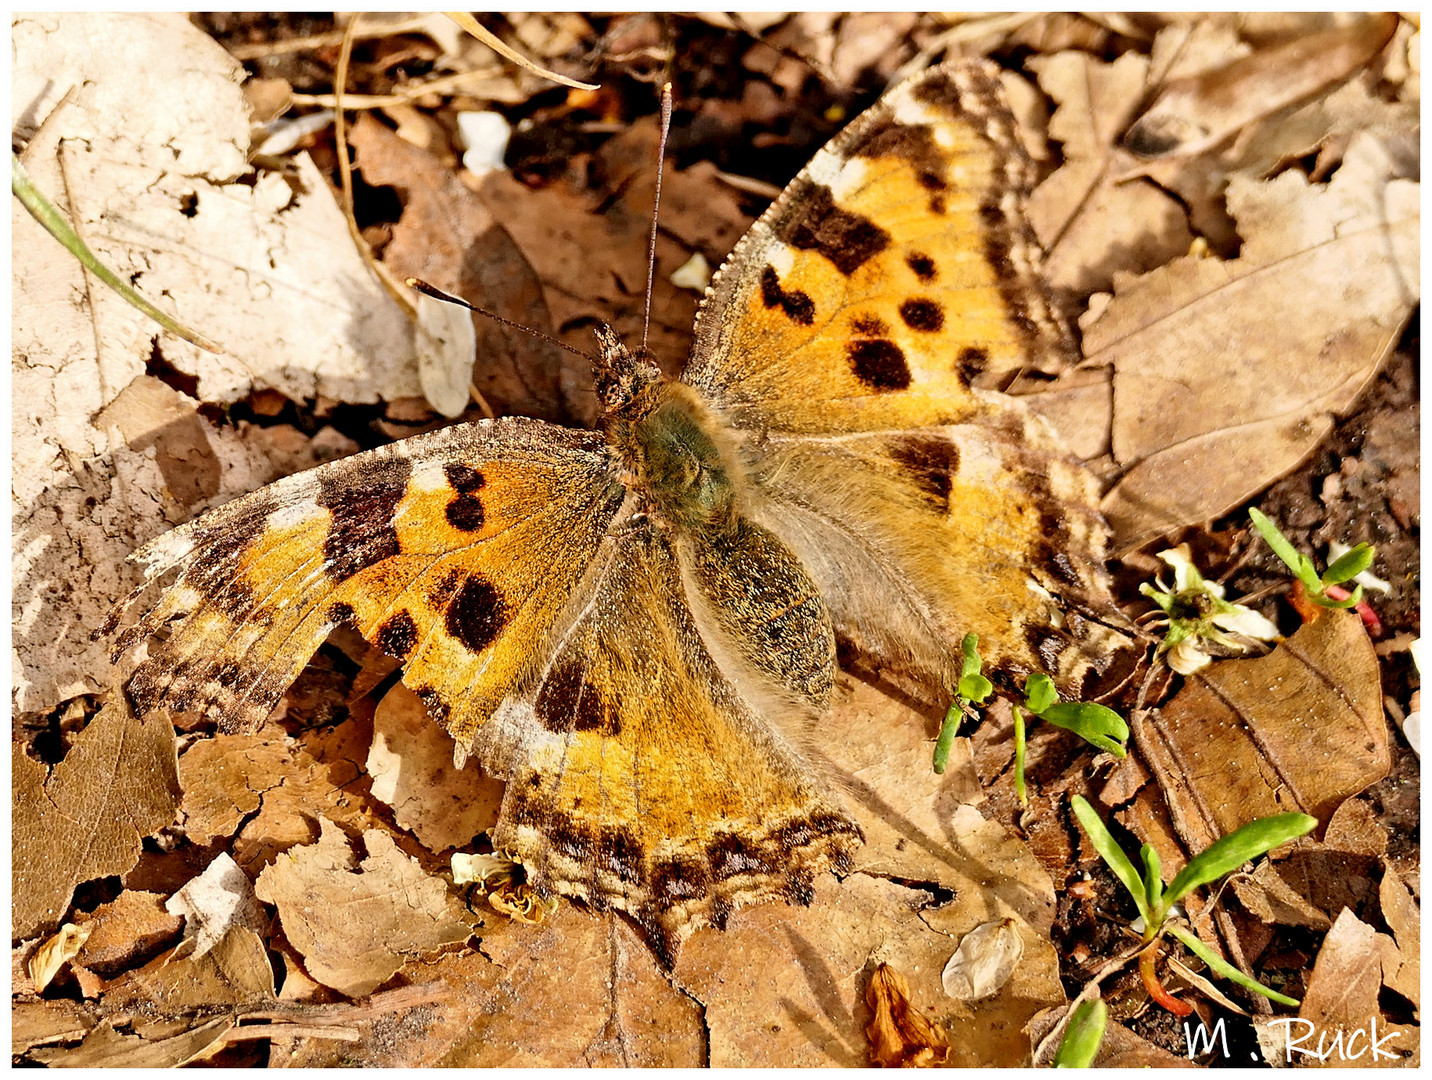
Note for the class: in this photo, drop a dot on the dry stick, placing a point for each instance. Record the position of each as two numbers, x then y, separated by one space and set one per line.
656 210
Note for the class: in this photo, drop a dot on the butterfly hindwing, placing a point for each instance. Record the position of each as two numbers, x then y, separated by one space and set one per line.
640 779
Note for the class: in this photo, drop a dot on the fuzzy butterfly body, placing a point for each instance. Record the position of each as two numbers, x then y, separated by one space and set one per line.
633 626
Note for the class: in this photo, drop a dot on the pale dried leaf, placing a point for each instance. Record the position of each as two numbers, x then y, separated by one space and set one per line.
446 346
217 899
1249 359
355 925
411 763
983 963
85 819
1268 897
236 971
1195 113
272 276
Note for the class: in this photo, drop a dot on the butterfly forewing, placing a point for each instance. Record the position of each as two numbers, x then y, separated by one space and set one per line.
454 552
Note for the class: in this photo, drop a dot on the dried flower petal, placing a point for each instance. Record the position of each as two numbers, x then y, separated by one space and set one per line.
900 1035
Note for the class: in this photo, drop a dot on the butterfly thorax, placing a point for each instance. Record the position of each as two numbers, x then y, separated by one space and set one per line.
668 441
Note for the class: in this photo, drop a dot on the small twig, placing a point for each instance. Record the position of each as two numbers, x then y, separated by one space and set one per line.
245 1032
501 48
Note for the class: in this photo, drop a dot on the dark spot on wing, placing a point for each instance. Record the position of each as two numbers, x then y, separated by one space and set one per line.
914 143
568 702
879 364
620 852
972 361
845 239
796 304
339 613
869 326
922 265
363 497
465 511
923 315
930 461
398 635
477 614
433 702
732 855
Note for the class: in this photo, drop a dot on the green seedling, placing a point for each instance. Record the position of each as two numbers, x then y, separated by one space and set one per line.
1322 588
1156 903
974 689
43 211
1082 1037
1197 614
1095 724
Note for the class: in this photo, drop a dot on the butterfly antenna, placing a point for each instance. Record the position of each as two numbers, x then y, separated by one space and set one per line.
438 294
656 210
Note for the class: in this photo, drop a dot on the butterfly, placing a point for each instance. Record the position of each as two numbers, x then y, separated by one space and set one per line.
636 627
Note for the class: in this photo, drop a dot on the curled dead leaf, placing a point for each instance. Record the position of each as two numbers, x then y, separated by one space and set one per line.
45 964
901 1035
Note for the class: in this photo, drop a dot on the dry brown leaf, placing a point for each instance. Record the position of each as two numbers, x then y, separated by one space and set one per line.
1196 113
354 925
1341 1001
1268 897
1300 729
558 226
411 765
105 1048
1248 360
1404 919
450 239
37 1022
84 818
1090 217
235 972
130 928
228 778
900 1034
581 990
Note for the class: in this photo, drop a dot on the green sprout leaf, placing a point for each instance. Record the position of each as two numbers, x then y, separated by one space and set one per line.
1153 876
1039 693
1352 562
43 211
946 739
1324 600
974 687
1094 724
1019 756
1114 857
1228 853
1083 1035
1296 561
1224 968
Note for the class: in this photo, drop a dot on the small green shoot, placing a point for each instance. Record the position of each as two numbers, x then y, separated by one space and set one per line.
1096 725
1082 1036
43 211
1352 563
1156 904
974 689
